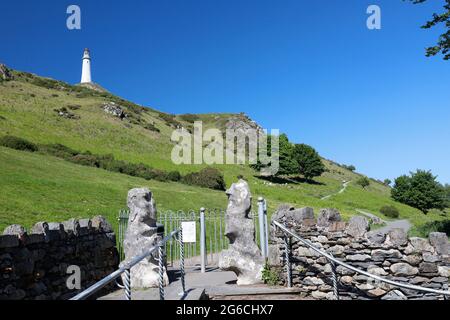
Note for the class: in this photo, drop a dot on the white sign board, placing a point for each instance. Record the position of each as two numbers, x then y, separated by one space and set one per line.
189 231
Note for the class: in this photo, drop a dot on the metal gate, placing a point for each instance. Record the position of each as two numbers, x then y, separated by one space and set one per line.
216 241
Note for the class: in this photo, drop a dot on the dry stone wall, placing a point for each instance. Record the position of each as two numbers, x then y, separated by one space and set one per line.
34 265
416 261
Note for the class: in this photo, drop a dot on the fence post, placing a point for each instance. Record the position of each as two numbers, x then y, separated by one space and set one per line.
202 240
127 284
267 228
182 272
161 272
287 245
262 228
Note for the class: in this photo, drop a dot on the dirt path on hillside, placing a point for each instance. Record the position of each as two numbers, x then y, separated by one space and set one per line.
344 187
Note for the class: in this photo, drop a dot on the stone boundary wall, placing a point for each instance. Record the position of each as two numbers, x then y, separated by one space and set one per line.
33 266
417 261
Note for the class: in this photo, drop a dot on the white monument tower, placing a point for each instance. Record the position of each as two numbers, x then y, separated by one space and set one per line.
86 73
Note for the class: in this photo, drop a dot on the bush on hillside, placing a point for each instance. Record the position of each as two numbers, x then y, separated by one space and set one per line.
363 182
85 160
390 212
435 226
47 83
207 178
350 167
189 117
58 150
18 143
159 175
170 120
151 127
174 176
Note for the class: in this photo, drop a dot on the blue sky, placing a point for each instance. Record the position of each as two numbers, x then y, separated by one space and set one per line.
309 68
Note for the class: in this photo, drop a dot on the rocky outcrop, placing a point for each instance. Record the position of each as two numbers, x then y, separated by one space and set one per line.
243 256
417 261
141 235
64 113
5 73
34 265
115 110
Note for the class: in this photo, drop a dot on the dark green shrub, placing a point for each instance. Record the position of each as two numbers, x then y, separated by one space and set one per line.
189 117
58 150
350 167
159 175
207 178
435 226
390 212
151 127
85 160
170 120
174 176
18 143
47 83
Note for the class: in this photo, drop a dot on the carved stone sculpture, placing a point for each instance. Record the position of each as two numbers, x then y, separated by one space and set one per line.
140 236
243 256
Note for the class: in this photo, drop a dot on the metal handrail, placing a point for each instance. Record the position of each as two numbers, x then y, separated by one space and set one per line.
127 266
345 265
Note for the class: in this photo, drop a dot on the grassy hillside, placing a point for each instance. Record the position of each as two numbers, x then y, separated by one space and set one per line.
35 187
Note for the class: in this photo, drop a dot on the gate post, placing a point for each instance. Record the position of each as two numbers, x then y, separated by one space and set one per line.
202 240
266 229
262 228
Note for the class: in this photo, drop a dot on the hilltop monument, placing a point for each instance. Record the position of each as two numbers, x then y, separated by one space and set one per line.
86 71
86 76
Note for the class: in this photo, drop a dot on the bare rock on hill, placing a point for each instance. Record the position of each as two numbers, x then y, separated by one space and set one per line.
5 73
115 110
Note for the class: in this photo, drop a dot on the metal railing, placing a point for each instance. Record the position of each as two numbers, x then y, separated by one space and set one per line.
126 269
333 261
214 224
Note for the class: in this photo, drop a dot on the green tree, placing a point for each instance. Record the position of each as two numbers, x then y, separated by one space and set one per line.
363 182
350 167
447 195
309 164
288 165
443 20
387 182
419 190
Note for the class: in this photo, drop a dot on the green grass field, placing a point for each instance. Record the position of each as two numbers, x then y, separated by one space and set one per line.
35 187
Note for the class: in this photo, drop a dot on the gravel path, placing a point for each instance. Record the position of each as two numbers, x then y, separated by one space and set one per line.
396 224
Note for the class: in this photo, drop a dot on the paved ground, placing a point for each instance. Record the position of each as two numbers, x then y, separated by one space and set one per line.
389 225
214 284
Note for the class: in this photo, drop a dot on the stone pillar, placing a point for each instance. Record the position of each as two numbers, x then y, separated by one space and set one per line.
243 256
140 236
